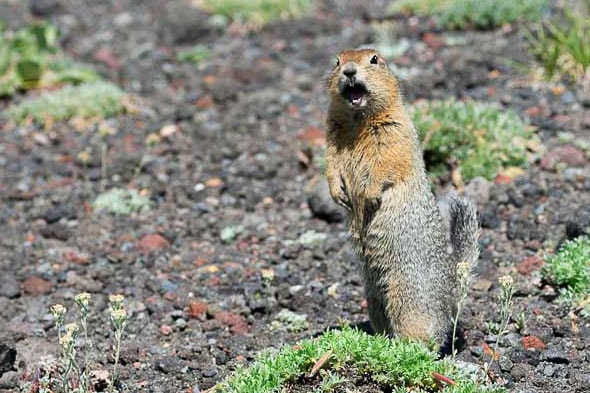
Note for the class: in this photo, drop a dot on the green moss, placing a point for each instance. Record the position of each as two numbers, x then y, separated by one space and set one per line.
257 11
89 101
121 202
479 138
569 269
398 365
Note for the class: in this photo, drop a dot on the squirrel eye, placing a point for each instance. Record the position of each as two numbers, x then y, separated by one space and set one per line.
374 59
337 62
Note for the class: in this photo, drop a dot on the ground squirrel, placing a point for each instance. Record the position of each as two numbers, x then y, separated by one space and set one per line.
375 170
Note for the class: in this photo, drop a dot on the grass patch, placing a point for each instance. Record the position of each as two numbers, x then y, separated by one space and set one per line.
479 138
563 47
195 55
95 100
569 269
31 58
257 12
399 365
461 14
121 202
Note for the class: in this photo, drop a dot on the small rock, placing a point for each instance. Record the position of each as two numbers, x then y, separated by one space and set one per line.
567 154
476 351
580 225
555 355
478 190
549 370
56 213
296 290
532 343
505 363
36 286
236 323
482 285
210 373
43 7
574 174
518 372
320 202
7 355
196 309
165 330
512 340
529 265
152 242
170 364
9 286
582 380
57 231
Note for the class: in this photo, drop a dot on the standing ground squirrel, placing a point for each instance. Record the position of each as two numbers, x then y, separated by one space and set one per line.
375 170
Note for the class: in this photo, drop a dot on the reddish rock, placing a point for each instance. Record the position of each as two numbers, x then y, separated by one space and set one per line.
165 330
204 102
36 286
532 343
364 304
313 135
152 242
106 57
529 265
503 179
236 323
569 155
433 41
533 111
196 309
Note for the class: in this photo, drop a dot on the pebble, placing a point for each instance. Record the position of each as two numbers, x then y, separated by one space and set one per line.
209 373
518 372
478 190
555 355
582 380
9 286
320 202
170 364
505 363
549 370
7 355
37 286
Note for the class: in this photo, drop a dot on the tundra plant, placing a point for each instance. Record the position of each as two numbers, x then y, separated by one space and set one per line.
74 376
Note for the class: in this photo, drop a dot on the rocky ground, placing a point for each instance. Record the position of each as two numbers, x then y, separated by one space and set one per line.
241 225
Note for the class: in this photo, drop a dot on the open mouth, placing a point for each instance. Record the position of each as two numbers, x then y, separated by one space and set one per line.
355 93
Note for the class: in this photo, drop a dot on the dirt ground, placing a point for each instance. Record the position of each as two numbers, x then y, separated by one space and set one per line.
241 227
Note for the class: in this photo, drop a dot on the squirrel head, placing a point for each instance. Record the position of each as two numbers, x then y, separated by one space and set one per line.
362 82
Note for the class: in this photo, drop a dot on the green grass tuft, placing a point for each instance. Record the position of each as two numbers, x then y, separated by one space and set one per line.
393 364
257 11
95 100
461 14
31 58
569 269
196 54
479 138
562 47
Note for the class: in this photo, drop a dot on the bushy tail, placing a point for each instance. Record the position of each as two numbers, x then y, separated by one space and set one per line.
461 218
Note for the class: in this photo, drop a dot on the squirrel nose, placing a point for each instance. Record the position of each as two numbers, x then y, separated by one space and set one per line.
349 70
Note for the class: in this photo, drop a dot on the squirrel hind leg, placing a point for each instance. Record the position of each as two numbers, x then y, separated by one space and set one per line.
460 216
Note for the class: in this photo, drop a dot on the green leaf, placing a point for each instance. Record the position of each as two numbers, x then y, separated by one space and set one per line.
30 72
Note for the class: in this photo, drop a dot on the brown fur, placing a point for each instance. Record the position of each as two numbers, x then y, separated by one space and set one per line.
375 170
